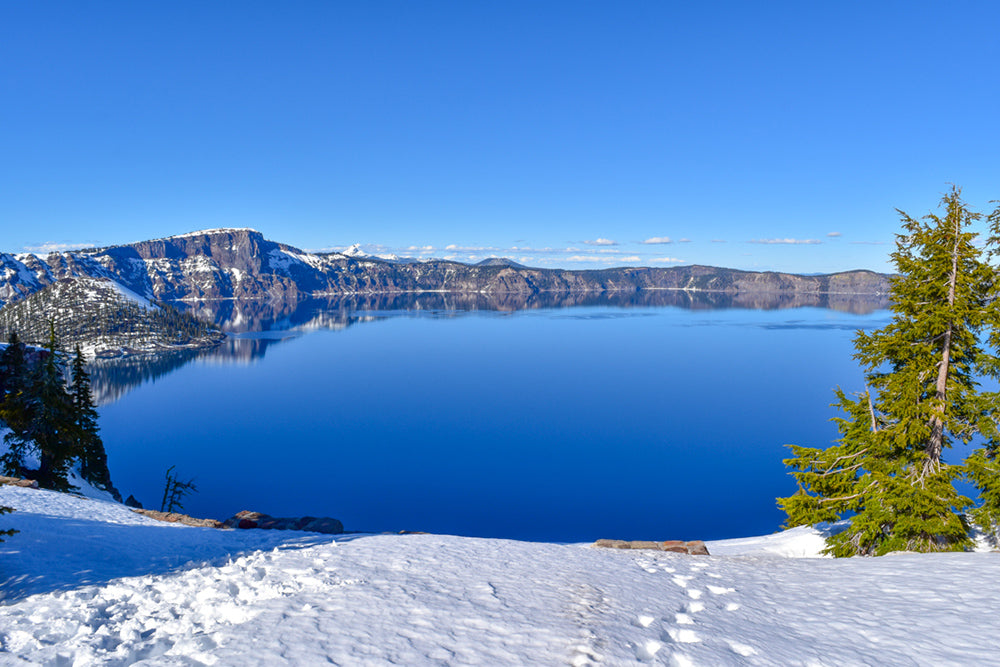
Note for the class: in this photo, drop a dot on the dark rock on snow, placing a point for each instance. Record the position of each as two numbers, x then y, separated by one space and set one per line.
247 519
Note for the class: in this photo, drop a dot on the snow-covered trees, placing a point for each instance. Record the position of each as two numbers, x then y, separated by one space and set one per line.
46 418
923 394
50 426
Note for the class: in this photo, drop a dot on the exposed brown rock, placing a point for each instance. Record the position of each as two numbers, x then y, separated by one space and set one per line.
646 544
692 548
174 517
16 481
613 544
677 549
697 548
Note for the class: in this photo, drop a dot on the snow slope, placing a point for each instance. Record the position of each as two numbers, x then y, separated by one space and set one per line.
88 582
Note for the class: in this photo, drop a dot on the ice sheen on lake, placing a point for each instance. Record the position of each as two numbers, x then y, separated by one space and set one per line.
561 424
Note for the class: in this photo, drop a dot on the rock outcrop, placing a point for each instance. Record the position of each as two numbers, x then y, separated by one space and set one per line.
692 548
312 524
175 517
17 481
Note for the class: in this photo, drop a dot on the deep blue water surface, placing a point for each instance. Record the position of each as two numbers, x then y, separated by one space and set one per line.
566 424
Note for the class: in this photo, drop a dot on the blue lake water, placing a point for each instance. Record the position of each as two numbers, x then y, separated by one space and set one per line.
557 424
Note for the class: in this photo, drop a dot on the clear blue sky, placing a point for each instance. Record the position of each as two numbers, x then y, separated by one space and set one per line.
761 135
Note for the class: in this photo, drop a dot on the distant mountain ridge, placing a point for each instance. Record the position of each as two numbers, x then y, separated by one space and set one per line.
240 264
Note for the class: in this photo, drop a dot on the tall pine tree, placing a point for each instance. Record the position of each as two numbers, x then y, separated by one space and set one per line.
15 404
93 458
12 374
888 469
51 425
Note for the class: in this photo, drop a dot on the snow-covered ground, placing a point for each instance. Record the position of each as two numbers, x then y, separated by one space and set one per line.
89 582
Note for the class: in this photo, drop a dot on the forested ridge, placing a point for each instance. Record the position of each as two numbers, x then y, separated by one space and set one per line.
95 314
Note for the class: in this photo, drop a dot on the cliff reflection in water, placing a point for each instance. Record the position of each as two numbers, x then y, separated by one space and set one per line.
253 326
249 316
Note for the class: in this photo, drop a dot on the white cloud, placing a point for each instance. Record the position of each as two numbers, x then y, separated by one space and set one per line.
718 240
460 248
586 258
657 240
601 242
684 240
786 241
834 235
57 247
667 260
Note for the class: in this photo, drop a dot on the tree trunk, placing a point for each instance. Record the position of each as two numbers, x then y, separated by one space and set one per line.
936 442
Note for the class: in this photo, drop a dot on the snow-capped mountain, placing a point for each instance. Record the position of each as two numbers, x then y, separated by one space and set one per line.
241 264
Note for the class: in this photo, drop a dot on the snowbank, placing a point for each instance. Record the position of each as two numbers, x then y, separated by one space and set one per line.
89 582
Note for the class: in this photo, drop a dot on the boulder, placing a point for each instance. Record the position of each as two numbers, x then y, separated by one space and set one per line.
312 524
613 544
174 517
692 548
16 481
697 548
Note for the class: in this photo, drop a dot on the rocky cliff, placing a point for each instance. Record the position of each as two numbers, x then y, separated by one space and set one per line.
240 264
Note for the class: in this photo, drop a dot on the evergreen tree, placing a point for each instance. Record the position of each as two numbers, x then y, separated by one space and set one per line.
51 428
93 458
922 372
983 466
12 367
11 377
15 405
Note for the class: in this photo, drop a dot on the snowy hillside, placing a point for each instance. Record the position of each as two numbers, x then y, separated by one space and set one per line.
105 318
88 582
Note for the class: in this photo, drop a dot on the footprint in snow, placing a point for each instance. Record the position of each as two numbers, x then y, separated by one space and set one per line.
647 650
742 649
683 635
644 621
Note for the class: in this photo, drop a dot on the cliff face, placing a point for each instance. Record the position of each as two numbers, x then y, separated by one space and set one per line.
241 264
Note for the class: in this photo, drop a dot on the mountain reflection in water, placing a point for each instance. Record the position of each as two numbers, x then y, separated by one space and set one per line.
254 326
